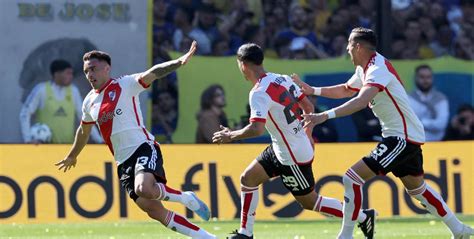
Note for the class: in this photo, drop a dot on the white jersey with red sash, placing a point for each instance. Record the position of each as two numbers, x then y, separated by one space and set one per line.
391 105
274 101
115 108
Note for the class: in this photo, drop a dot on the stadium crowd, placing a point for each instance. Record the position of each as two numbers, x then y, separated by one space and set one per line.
307 29
299 29
313 29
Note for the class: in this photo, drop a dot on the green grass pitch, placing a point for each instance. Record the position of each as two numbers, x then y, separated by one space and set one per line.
419 227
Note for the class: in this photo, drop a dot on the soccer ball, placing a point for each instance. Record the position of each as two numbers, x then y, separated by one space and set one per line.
41 132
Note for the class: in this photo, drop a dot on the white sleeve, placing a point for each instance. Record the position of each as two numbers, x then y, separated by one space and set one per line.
355 82
86 116
377 77
78 104
132 84
31 105
259 106
442 117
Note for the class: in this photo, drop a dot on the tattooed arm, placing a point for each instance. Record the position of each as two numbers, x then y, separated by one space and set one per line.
163 69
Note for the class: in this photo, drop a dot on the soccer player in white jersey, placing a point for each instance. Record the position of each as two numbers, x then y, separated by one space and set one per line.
275 102
378 85
113 105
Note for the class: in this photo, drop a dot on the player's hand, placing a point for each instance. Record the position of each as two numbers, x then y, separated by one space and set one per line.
305 88
222 136
185 58
66 163
311 120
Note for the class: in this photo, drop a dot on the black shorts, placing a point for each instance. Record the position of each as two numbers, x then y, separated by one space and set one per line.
396 155
298 179
146 158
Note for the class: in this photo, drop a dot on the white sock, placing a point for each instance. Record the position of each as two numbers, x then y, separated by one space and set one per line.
169 194
249 201
333 208
435 204
352 202
180 224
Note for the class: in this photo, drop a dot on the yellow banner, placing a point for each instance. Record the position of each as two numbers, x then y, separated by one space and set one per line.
32 189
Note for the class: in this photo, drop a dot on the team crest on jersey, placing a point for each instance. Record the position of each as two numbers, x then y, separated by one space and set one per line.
112 95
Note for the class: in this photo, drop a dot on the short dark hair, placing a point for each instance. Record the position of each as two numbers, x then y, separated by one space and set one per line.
365 35
99 55
59 65
421 67
250 52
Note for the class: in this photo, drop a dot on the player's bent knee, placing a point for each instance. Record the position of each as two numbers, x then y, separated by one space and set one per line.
145 191
246 180
307 201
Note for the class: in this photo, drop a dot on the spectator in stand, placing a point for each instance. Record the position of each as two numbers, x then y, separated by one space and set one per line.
164 117
437 13
278 9
299 28
462 124
207 24
464 48
183 19
282 48
320 21
234 23
255 34
321 14
338 46
455 18
367 13
398 46
428 30
212 114
415 42
367 125
430 105
162 29
336 25
443 44
220 47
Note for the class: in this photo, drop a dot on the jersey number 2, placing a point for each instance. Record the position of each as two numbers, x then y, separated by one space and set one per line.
287 110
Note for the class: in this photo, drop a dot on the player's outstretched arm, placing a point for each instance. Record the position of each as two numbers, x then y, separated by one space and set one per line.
226 135
161 70
82 136
366 94
334 92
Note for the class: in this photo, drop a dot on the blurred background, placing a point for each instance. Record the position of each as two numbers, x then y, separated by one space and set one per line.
429 42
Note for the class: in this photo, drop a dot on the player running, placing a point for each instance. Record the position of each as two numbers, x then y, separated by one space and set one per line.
113 105
274 103
379 86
